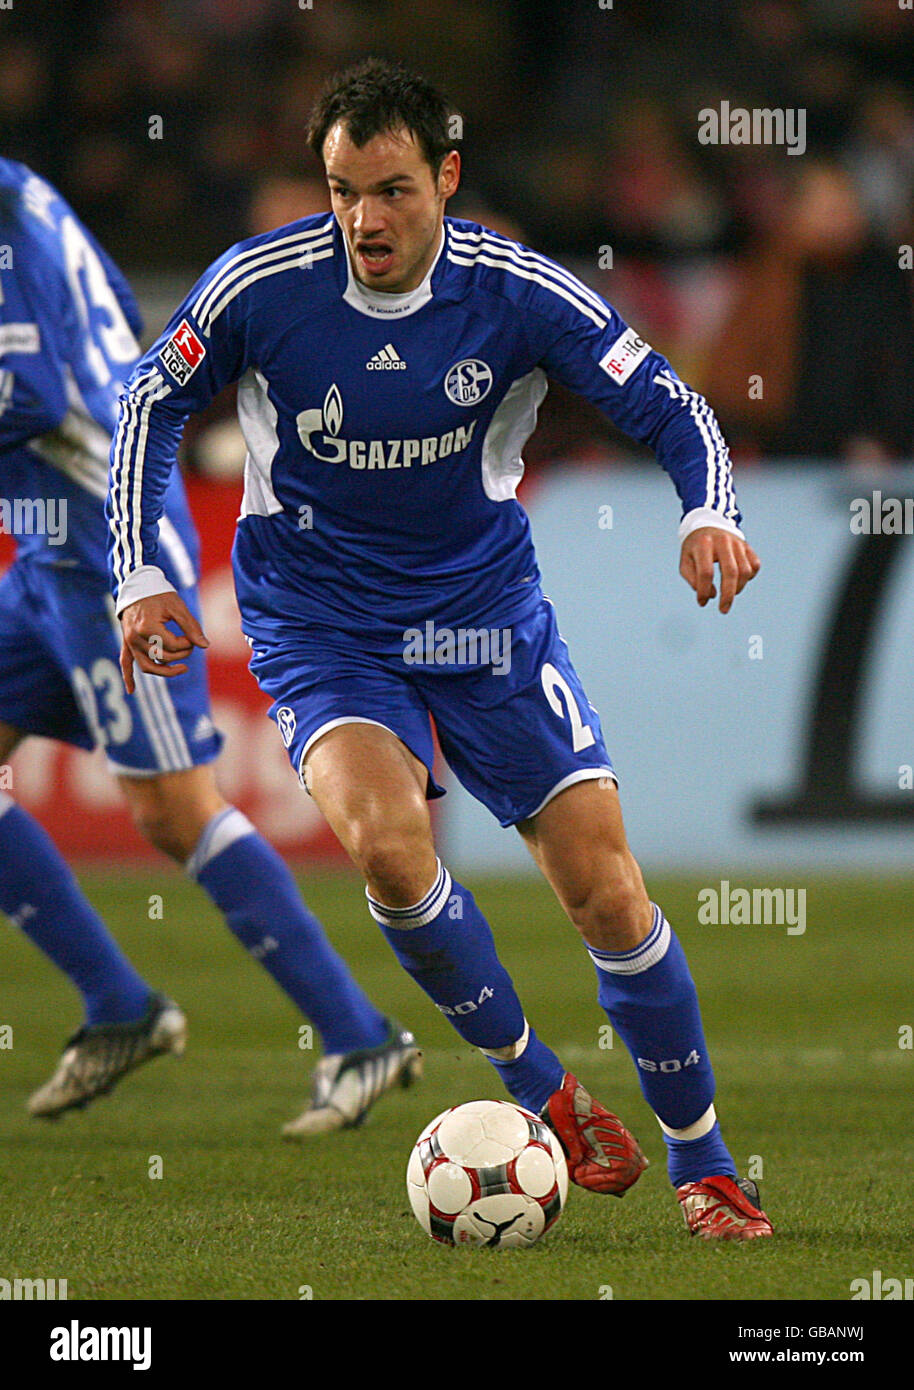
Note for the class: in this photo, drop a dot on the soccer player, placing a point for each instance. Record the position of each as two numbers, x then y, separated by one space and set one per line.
68 326
391 361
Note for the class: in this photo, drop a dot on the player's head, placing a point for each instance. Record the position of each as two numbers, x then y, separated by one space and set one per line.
385 137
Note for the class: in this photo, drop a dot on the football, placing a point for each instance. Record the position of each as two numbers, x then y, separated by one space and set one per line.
487 1173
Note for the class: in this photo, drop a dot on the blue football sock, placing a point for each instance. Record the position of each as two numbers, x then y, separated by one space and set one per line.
530 1071
446 945
253 888
651 1002
690 1160
41 896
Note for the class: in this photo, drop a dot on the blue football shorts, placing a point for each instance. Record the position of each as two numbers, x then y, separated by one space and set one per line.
515 730
60 676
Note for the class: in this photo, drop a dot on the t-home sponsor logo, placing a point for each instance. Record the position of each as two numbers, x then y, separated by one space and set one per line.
882 516
77 1343
762 125
626 353
753 907
462 646
34 516
27 1290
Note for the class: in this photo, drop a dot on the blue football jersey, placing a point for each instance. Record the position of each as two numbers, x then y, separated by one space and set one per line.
385 432
68 341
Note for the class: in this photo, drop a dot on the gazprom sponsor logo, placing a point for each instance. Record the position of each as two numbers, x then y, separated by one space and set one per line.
319 432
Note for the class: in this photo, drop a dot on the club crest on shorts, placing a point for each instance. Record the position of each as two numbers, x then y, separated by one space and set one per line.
285 719
468 382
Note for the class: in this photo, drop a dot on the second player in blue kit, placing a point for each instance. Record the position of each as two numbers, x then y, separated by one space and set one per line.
68 325
391 361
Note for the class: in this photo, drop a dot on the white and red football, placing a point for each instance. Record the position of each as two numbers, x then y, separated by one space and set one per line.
487 1173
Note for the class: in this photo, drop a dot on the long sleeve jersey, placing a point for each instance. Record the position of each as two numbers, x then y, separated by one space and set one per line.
68 342
385 432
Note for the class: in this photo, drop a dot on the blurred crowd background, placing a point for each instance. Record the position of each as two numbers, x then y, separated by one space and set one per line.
580 138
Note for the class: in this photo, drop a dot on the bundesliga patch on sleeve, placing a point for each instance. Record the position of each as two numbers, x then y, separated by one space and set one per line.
183 353
624 356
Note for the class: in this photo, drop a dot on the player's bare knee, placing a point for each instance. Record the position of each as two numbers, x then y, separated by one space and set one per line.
172 810
166 832
614 914
397 863
172 827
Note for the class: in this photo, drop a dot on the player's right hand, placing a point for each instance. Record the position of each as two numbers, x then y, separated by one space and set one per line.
153 646
709 546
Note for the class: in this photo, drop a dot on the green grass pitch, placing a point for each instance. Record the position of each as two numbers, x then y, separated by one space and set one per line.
815 1087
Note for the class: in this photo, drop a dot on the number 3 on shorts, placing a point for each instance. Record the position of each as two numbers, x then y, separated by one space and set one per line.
556 686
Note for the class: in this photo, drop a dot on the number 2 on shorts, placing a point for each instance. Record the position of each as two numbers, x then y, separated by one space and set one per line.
553 684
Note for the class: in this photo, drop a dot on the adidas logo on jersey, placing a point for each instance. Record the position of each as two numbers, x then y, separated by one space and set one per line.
387 360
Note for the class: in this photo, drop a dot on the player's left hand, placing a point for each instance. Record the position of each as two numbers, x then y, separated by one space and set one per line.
709 546
153 646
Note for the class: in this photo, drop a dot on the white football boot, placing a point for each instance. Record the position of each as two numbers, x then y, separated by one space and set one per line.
97 1057
345 1085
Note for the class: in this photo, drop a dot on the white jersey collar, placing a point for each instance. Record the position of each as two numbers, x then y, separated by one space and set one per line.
379 305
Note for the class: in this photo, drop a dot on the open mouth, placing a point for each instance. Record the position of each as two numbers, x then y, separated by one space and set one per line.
375 257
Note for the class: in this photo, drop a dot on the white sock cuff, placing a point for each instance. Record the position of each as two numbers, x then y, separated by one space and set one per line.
223 830
698 1130
512 1051
421 913
647 953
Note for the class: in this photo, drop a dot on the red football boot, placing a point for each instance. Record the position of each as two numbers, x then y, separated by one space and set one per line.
602 1155
723 1209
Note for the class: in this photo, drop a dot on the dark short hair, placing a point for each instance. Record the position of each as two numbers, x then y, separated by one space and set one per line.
9 205
376 96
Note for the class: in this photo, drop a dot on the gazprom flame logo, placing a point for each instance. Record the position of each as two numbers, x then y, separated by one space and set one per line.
325 423
319 432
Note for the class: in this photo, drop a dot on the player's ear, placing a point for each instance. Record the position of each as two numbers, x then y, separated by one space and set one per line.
449 174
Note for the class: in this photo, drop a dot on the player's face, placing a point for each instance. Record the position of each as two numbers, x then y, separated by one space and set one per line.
389 205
